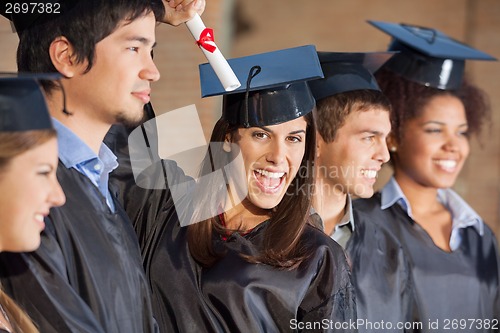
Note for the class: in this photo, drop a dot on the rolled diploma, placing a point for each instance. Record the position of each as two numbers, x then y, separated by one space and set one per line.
219 64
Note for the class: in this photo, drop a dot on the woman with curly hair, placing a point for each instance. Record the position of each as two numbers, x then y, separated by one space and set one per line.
452 255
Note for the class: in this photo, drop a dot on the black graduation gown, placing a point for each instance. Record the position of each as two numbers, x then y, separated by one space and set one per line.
381 275
187 298
145 153
456 291
234 295
259 298
87 275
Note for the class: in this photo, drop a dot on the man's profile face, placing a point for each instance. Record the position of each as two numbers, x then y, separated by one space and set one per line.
350 163
119 83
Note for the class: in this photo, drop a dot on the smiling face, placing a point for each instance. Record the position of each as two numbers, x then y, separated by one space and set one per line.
28 189
349 164
272 156
117 87
434 145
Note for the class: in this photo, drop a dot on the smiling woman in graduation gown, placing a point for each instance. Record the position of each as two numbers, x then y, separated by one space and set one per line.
233 287
28 183
84 214
453 256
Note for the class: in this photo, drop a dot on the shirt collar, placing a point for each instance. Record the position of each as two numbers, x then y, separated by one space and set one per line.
108 158
73 151
391 193
348 217
463 215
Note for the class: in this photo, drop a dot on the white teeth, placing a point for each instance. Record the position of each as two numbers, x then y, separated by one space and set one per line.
369 173
446 164
39 217
270 174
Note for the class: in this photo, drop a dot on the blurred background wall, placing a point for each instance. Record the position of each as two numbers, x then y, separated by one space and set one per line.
244 27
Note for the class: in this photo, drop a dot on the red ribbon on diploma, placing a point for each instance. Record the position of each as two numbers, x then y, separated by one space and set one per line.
207 35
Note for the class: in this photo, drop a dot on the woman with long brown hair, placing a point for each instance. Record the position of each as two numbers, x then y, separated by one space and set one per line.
244 258
28 183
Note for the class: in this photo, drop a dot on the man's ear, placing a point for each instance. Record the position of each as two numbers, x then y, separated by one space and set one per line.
227 143
61 55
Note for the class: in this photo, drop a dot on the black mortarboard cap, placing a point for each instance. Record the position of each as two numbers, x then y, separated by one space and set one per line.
22 103
428 56
30 14
347 72
277 92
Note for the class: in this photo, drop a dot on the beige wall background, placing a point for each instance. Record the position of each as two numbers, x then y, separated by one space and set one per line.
244 27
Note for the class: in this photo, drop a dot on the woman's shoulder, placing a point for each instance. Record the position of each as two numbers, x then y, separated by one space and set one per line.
489 240
316 235
489 232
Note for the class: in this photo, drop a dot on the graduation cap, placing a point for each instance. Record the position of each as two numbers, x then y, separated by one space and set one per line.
273 90
22 103
428 56
30 14
347 72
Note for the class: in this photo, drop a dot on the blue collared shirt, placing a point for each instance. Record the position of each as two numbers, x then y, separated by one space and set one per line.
462 214
74 153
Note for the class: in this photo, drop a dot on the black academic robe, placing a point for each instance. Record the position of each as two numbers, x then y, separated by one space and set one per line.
456 291
87 275
235 295
144 152
317 296
381 275
187 298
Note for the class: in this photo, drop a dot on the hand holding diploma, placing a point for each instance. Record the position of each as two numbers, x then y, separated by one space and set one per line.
188 11
181 11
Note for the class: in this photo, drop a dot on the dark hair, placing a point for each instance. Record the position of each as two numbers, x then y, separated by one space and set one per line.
409 98
16 143
333 110
84 25
282 246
